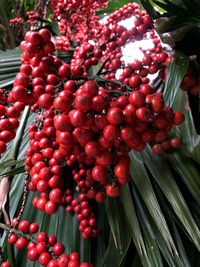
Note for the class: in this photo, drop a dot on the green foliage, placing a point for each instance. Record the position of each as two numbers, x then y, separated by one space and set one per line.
176 71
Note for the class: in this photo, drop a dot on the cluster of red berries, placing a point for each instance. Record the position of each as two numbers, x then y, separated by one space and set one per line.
43 248
44 164
29 82
62 43
77 19
86 55
166 145
94 131
85 216
191 82
9 115
16 21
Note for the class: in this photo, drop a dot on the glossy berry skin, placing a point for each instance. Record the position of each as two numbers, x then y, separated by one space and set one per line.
143 114
33 228
32 254
5 264
115 116
121 170
21 243
24 226
41 247
92 149
12 239
135 81
58 249
44 258
178 118
73 263
137 99
53 263
42 237
99 173
56 195
112 190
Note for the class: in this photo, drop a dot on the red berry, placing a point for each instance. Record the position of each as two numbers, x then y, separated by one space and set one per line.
12 239
21 243
115 116
99 173
32 254
58 249
44 258
178 118
33 228
23 226
113 190
92 149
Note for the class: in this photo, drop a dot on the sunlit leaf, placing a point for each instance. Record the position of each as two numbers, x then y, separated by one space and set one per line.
175 73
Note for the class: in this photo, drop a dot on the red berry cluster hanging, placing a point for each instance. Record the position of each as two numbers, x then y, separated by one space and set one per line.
77 20
83 210
42 248
89 124
190 82
94 130
9 114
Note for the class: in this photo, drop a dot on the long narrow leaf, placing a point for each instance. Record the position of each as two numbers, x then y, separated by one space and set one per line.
141 179
176 71
169 187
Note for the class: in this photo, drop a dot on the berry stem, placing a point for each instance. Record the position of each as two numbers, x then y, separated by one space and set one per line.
103 65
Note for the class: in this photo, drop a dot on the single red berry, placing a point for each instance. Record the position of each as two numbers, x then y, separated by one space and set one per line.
21 243
24 226
58 249
44 258
113 190
115 116
12 239
32 254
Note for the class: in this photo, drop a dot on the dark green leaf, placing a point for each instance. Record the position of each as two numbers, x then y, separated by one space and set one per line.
187 172
176 71
170 189
150 9
141 179
121 235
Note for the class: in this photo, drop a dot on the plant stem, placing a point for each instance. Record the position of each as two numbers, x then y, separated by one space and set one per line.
102 66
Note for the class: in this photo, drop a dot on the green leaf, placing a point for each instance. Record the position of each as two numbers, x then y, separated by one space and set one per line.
10 162
153 238
170 189
192 6
141 179
187 172
153 252
150 9
170 7
187 131
121 235
133 224
113 257
176 71
114 5
13 171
